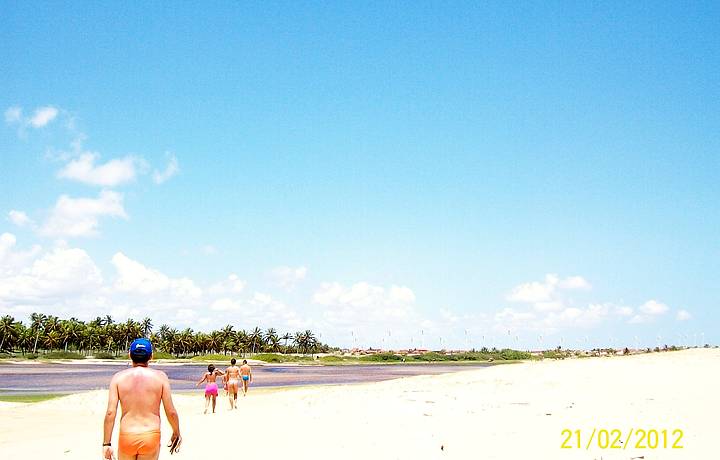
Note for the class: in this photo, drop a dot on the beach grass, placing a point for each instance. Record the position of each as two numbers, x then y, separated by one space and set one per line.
62 355
29 398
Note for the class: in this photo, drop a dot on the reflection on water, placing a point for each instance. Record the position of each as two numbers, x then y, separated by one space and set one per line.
67 378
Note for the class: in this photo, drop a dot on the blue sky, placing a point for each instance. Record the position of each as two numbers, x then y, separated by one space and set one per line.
368 171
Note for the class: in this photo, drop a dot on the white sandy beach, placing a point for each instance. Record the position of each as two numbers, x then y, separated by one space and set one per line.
504 412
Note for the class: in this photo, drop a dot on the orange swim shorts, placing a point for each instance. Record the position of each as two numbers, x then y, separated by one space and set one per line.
144 443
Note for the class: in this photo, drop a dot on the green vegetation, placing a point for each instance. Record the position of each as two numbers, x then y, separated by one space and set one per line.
381 358
486 355
28 398
162 355
104 355
62 355
50 334
333 359
555 354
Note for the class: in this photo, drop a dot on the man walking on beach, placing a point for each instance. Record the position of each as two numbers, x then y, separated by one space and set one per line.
246 374
140 391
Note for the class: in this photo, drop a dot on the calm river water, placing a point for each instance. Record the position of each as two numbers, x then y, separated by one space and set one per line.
69 378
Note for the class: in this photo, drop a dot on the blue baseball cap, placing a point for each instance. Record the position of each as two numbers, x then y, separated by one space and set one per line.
141 347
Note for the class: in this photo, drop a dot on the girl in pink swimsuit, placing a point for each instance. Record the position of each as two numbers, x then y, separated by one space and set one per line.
211 388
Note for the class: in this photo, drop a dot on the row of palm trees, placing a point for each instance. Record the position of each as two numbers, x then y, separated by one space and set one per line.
103 334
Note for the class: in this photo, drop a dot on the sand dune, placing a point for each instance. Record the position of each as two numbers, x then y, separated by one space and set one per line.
504 412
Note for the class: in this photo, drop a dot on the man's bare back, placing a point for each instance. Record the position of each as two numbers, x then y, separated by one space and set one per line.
140 391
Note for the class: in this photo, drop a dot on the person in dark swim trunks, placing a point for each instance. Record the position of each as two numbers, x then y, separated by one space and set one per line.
211 388
246 374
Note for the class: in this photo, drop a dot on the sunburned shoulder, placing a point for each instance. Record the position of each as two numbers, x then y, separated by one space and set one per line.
160 375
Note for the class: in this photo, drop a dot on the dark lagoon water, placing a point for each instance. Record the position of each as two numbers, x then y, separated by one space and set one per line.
70 378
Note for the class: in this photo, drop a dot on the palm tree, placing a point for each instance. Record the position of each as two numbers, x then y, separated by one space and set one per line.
270 338
298 340
312 341
286 337
25 337
255 338
52 323
215 341
37 322
7 330
227 333
52 340
242 340
146 327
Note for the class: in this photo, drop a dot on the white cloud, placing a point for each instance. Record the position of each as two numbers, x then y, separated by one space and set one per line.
653 307
43 116
288 277
683 315
535 291
12 260
549 295
19 218
590 316
232 285
134 277
263 310
540 292
13 115
114 172
172 169
363 303
61 272
574 282
79 217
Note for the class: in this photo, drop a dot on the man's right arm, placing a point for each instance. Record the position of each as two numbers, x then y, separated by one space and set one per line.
171 414
109 422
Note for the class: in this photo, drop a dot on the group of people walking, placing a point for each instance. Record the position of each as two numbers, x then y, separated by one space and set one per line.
231 378
139 390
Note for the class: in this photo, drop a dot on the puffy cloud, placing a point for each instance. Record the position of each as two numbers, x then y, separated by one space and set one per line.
232 285
172 169
574 282
263 310
13 115
40 118
43 116
12 260
114 172
540 292
134 277
288 277
577 317
534 291
19 218
653 307
58 273
79 217
364 303
683 315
